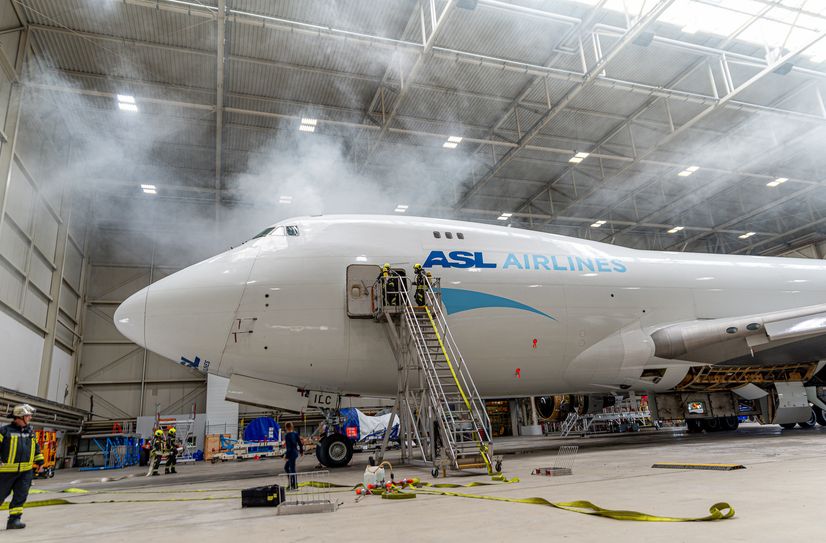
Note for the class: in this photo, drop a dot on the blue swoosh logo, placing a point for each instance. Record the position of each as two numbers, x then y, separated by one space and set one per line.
457 300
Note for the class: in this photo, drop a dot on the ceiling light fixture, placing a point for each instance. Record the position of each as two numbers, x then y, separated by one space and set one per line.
452 142
676 229
688 171
504 216
597 224
401 208
308 124
778 181
285 200
747 235
149 189
126 102
578 157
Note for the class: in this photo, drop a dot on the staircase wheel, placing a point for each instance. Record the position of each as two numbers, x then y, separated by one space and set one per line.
498 466
809 424
435 473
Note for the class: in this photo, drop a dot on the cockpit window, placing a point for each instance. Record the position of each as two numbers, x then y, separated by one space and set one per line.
292 230
264 232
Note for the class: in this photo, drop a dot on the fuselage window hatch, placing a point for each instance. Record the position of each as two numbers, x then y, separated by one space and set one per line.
436 234
449 235
460 235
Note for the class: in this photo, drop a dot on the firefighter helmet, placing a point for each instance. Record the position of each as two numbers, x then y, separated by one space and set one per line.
159 433
417 266
386 266
23 410
172 431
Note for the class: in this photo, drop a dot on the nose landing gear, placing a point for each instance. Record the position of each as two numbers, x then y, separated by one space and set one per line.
334 450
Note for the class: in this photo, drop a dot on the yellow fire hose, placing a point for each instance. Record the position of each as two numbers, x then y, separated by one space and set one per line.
408 490
718 511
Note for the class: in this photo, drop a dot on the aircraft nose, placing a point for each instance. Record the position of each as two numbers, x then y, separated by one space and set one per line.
189 314
130 317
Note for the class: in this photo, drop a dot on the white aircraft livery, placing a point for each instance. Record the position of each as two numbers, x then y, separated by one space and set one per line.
533 314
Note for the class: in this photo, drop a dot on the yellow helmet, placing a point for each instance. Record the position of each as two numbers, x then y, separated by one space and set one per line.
417 266
158 433
386 266
173 431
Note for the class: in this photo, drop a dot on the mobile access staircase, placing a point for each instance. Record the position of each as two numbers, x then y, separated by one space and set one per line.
442 419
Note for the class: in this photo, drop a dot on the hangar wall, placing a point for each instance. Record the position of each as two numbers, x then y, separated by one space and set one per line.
42 244
135 242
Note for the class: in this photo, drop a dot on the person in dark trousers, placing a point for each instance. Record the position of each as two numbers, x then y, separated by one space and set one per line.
420 282
19 454
172 450
295 448
389 285
156 454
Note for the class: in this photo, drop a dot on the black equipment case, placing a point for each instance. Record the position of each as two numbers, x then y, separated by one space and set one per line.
262 496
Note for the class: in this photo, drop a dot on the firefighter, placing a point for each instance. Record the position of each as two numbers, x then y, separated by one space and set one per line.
172 451
389 285
19 453
156 454
420 281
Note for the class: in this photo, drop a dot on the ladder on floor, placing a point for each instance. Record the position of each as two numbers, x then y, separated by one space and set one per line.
443 421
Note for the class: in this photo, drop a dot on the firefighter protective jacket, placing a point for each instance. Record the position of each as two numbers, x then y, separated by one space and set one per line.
19 450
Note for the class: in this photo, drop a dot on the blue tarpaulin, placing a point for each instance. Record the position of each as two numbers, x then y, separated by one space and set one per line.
262 429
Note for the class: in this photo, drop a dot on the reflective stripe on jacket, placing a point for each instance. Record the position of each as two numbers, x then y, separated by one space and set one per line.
19 450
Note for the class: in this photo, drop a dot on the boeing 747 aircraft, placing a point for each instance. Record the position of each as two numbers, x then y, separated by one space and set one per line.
288 317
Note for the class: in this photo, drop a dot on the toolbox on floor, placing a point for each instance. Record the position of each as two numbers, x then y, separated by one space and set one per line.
262 496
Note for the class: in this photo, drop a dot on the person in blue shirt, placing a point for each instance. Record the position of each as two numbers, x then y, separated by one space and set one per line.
295 449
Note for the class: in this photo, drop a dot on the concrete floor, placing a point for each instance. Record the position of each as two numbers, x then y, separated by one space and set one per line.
777 498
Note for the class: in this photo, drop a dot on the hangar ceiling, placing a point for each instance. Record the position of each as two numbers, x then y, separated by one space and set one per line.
698 123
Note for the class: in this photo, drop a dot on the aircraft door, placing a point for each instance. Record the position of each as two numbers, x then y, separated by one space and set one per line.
360 280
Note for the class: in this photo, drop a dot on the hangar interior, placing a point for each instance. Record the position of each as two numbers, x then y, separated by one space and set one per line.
142 136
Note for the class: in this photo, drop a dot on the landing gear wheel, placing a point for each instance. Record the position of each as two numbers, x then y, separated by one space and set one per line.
809 424
434 472
820 415
498 466
729 424
712 425
788 426
693 426
321 454
336 449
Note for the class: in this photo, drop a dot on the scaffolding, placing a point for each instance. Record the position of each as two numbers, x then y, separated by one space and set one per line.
108 451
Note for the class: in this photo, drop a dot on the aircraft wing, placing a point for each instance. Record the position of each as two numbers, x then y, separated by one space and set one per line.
777 337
